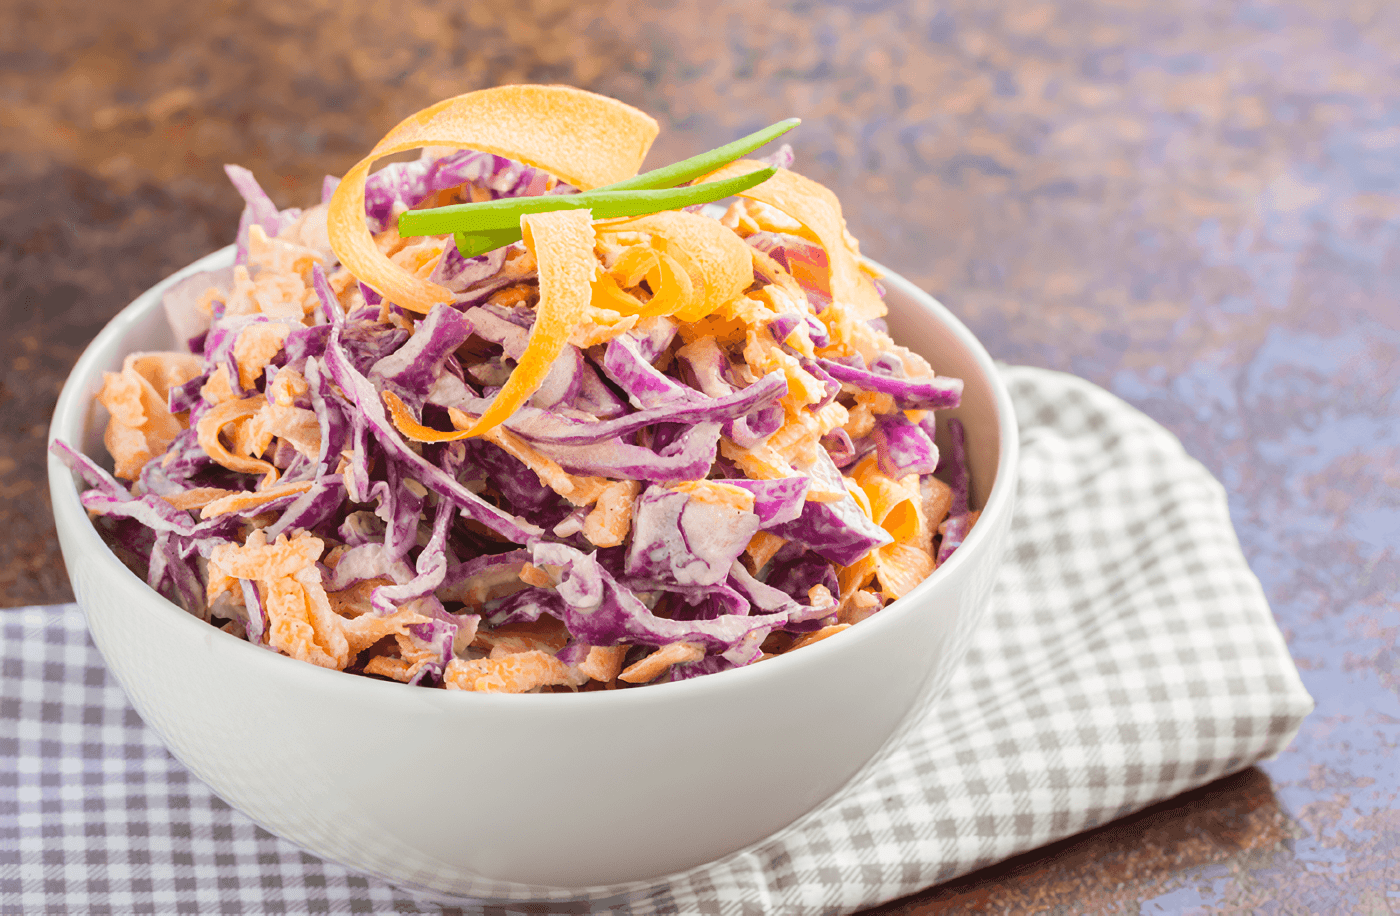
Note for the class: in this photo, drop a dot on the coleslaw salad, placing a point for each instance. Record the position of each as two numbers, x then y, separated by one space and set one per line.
615 452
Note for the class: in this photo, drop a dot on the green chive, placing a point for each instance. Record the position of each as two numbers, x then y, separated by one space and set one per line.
505 213
494 224
705 163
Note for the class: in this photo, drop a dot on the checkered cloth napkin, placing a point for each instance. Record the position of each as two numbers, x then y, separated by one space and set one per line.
1128 655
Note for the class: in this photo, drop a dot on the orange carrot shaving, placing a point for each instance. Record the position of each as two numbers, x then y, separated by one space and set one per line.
197 497
901 566
716 261
898 507
411 428
301 622
235 502
856 576
215 420
387 666
531 574
660 661
141 425
367 629
218 389
607 525
762 546
670 284
511 674
603 663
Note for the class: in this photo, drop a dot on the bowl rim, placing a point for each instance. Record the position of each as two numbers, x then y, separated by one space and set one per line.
71 412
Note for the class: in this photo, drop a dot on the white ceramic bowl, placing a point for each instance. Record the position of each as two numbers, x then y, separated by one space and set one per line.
535 796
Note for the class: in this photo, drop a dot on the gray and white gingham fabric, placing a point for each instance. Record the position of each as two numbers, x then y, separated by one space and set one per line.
1129 655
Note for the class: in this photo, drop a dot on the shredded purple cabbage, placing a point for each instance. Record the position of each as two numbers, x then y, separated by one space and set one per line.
839 530
685 540
258 210
919 394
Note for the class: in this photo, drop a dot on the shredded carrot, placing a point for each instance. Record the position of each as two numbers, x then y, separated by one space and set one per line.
215 420
515 673
236 502
816 208
141 426
660 661
603 663
607 525
197 497
762 546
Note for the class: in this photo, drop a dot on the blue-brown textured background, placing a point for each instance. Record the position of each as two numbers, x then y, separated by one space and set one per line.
1195 204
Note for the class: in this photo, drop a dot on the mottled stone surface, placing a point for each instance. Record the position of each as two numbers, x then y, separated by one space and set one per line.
1194 204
